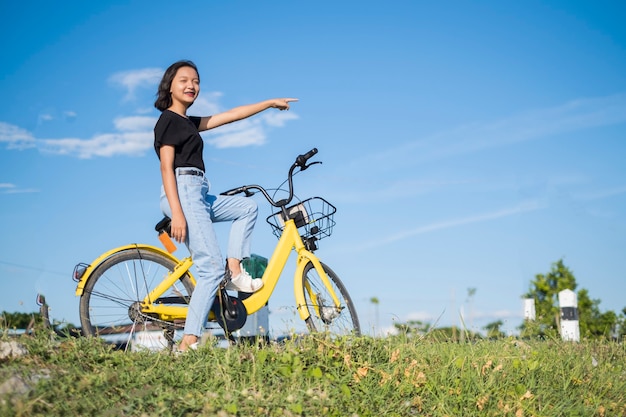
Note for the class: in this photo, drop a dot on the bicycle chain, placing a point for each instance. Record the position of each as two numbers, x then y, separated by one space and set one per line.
137 316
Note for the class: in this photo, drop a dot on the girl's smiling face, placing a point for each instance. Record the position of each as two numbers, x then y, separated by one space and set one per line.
185 86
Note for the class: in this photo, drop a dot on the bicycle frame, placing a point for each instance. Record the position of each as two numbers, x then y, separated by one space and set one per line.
290 239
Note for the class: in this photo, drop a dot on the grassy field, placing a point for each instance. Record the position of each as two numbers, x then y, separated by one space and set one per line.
315 376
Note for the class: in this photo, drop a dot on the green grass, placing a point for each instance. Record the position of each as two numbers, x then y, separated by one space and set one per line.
315 376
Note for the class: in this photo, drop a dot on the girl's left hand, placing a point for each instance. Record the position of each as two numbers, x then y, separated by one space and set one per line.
283 103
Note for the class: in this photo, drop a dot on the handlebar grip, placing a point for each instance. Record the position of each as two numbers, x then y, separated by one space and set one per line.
302 159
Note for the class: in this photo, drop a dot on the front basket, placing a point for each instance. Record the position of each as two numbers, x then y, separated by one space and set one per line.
313 217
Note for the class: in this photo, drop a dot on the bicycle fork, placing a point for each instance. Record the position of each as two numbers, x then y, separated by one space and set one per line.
304 257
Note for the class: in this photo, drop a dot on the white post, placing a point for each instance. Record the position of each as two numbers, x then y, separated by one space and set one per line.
529 309
568 303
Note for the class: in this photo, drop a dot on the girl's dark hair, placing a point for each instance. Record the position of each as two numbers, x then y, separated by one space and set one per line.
164 98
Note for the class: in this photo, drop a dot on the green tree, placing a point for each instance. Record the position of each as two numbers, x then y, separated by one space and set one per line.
493 330
593 323
33 322
413 327
19 320
545 291
621 325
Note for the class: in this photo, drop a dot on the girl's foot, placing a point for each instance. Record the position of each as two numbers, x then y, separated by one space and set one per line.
189 341
243 282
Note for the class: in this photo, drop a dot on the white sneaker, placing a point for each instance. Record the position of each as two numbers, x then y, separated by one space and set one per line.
244 283
193 346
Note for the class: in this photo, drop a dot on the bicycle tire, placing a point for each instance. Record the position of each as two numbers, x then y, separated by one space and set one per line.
110 299
323 317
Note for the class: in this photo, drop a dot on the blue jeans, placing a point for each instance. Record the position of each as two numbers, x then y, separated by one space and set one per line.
201 210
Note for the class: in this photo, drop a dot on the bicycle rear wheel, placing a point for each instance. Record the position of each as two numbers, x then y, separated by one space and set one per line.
110 303
324 316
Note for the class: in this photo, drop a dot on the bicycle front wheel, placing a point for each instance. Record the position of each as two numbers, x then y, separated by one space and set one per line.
323 315
110 306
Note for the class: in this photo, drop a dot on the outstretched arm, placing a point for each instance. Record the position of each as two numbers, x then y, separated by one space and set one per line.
243 112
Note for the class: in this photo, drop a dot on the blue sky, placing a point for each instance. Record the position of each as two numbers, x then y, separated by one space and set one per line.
465 144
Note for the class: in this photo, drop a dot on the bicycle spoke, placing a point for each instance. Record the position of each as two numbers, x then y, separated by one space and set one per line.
325 316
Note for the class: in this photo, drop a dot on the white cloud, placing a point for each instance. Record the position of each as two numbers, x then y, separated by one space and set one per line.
278 119
68 116
21 191
7 188
133 137
134 79
106 145
45 117
16 137
135 123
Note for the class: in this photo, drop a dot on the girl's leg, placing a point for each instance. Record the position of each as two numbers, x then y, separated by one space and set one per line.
242 212
204 249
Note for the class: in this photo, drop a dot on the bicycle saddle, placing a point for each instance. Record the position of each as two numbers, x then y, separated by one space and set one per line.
164 225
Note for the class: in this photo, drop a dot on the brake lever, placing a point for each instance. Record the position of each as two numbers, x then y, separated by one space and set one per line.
308 165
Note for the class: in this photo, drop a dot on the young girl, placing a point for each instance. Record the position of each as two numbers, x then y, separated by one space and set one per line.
185 194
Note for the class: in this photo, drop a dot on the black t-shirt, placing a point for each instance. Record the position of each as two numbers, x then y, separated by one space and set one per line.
182 133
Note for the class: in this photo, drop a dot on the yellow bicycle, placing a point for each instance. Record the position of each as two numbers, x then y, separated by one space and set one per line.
141 287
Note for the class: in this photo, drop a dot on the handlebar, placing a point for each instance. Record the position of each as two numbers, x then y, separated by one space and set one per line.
301 162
